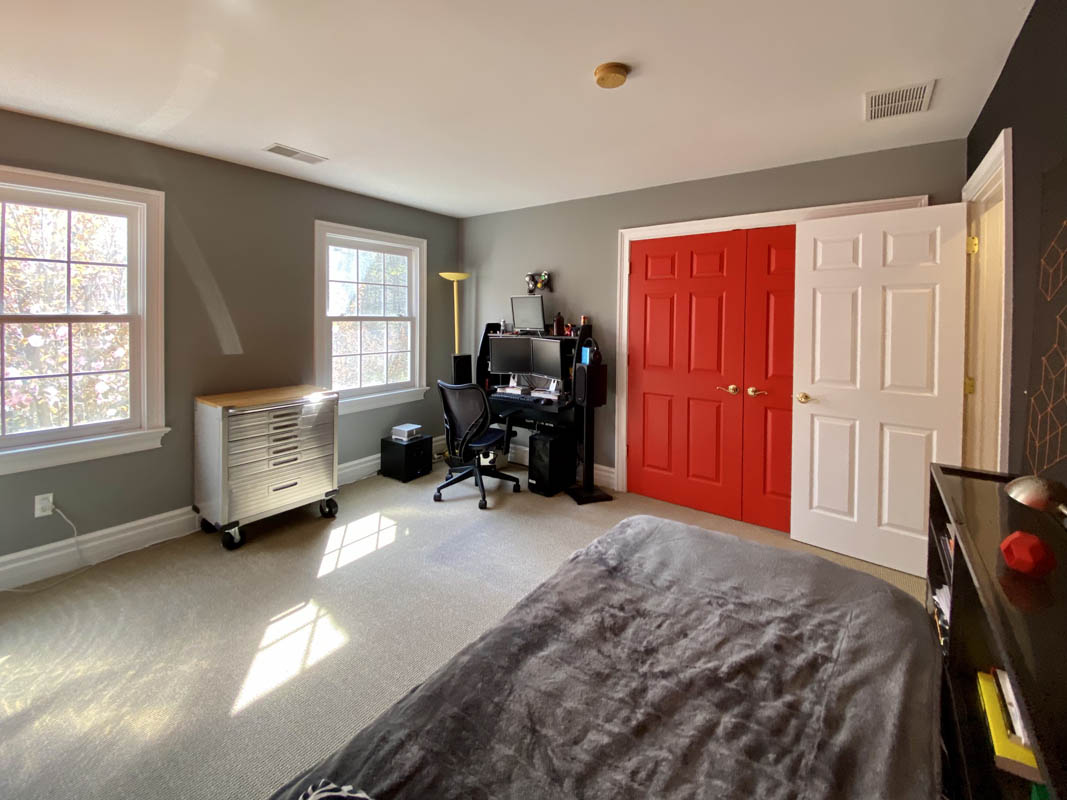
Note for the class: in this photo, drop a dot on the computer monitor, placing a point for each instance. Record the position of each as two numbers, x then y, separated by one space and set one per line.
528 312
547 358
509 354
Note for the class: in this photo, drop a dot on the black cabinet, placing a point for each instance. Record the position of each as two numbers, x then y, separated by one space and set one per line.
995 618
407 460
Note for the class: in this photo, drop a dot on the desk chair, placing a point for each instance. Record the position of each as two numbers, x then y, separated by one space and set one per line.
468 435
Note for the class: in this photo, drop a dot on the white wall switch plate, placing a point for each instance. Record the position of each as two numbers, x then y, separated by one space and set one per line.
42 505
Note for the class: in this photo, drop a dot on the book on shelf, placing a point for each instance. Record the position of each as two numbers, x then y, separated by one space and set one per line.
1008 751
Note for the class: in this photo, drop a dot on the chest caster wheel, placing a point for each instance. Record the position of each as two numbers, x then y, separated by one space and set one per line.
232 539
328 508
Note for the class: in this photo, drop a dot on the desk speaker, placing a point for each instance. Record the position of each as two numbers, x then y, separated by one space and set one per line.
591 385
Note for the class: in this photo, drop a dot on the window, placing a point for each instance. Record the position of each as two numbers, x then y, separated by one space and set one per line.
370 342
80 319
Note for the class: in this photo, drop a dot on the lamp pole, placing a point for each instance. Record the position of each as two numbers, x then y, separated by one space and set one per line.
455 277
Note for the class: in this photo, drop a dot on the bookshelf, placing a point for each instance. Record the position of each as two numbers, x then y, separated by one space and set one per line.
995 618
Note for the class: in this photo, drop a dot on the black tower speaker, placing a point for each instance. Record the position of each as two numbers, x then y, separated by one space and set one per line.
591 385
552 463
461 369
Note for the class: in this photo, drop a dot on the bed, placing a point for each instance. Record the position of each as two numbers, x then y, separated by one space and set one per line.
668 661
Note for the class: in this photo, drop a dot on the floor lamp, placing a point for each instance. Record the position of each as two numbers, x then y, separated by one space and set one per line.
461 364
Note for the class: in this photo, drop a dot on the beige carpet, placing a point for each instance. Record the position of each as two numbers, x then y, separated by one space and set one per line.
185 671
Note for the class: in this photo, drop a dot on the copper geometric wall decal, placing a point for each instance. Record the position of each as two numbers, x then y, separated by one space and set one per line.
1053 268
1046 434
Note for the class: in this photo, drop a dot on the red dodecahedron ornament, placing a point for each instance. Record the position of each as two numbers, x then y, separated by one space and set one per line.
1025 553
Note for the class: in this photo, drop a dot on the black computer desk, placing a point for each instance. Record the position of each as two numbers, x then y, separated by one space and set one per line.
524 413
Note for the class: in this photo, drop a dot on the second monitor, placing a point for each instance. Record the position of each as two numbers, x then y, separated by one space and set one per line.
546 358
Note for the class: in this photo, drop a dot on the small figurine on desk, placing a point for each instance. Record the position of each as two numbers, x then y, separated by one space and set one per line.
568 329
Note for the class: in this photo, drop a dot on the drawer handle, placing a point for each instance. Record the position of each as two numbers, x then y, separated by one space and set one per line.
283 461
284 486
287 449
286 438
284 414
281 426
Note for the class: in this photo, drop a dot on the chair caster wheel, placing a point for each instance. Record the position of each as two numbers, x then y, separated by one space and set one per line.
437 497
207 527
448 477
516 488
328 508
232 539
482 504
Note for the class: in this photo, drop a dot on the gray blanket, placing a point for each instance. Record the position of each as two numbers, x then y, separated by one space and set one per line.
667 661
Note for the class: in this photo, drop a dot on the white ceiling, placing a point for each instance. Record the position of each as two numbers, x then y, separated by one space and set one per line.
472 106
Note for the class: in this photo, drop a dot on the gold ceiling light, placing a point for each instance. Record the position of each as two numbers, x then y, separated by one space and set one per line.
611 75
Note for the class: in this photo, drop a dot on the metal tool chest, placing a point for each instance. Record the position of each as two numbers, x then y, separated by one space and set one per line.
262 452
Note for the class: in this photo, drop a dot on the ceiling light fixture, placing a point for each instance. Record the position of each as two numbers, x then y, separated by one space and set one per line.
611 75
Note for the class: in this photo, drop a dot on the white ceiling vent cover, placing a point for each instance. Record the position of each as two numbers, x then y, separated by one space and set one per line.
292 152
894 102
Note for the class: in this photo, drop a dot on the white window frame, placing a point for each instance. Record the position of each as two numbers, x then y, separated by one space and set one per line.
352 400
145 428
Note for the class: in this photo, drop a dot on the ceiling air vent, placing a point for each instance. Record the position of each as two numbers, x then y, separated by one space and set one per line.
894 102
292 152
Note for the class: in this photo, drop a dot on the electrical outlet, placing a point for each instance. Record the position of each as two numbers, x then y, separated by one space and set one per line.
42 505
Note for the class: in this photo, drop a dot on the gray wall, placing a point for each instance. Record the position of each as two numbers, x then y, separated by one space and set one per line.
578 240
253 232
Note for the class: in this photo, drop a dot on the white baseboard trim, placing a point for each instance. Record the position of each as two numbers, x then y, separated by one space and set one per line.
602 476
55 558
360 468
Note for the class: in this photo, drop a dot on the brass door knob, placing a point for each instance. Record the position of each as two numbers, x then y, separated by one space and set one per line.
803 397
731 389
754 392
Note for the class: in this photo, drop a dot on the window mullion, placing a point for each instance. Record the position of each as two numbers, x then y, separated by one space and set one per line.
70 331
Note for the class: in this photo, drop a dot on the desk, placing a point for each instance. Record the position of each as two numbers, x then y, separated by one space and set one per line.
532 415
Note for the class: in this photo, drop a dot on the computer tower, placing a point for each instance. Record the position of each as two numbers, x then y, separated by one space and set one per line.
553 462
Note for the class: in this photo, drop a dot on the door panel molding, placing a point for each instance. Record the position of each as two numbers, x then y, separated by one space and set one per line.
758 220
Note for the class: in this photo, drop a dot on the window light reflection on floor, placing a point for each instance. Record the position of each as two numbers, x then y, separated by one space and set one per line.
293 641
352 541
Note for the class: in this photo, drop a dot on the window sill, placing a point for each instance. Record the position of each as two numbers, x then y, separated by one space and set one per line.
53 454
350 405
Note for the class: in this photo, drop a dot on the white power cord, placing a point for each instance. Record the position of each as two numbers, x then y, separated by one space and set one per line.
77 548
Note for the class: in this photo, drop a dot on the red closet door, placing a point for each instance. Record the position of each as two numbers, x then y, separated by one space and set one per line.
768 383
686 346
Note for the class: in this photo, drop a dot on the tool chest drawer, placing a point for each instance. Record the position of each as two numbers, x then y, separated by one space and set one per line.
263 452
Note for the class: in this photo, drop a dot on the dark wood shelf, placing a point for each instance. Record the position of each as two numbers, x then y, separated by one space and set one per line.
1000 619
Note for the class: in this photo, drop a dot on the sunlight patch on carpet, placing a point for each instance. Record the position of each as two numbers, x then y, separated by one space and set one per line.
354 540
294 640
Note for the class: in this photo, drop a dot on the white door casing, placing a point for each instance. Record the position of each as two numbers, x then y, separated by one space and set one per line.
879 347
986 412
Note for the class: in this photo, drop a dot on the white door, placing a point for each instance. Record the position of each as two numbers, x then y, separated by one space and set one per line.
879 350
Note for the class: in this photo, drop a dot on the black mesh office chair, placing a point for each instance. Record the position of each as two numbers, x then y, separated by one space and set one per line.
468 436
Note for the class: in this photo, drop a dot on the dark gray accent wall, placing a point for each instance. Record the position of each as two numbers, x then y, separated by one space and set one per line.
578 240
253 231
1030 97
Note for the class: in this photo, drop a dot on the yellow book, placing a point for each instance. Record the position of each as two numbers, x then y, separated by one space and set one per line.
1010 756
